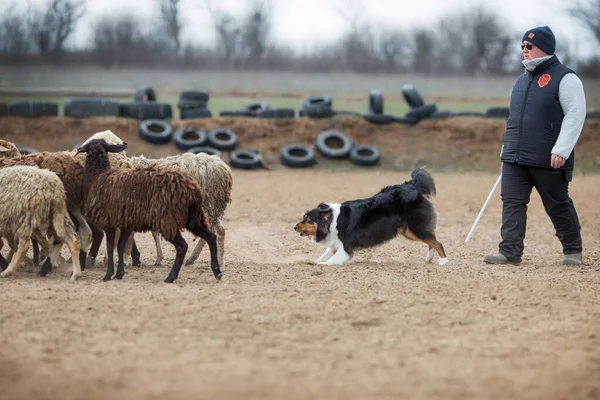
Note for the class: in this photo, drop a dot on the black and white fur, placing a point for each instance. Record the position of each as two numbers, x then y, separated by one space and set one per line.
405 209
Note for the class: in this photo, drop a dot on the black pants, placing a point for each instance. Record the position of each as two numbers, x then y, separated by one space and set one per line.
553 187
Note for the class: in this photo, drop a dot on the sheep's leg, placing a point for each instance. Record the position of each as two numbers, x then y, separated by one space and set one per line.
36 252
52 258
120 250
206 234
159 254
18 257
84 232
115 244
3 262
110 241
97 236
127 259
135 253
74 245
47 265
196 252
181 247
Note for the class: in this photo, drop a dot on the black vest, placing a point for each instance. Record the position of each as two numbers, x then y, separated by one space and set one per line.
535 116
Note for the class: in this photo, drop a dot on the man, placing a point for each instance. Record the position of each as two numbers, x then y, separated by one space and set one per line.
547 112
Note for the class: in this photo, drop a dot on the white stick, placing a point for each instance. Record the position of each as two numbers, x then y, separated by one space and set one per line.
483 208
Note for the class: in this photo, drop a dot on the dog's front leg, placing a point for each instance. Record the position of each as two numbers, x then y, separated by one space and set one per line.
339 257
325 256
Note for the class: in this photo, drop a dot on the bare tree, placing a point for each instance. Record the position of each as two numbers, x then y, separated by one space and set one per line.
14 37
228 33
171 21
424 54
473 41
52 26
395 49
588 12
256 31
117 40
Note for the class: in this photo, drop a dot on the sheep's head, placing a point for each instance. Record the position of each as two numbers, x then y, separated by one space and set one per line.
8 149
108 136
96 143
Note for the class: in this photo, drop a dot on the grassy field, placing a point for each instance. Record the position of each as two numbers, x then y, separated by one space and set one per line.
232 90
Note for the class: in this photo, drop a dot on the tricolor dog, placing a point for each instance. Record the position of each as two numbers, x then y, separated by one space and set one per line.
405 209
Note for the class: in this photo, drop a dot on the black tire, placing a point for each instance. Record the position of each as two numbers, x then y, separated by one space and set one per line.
245 159
412 96
319 100
187 138
222 139
27 150
145 94
256 107
318 107
297 156
3 109
450 113
81 107
421 112
155 131
237 113
365 155
187 104
192 113
203 149
318 111
328 151
497 112
376 102
33 109
277 113
143 111
194 95
379 119
593 115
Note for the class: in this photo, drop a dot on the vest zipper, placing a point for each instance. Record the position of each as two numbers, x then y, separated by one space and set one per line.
523 116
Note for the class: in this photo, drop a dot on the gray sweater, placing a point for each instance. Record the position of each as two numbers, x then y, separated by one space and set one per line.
572 100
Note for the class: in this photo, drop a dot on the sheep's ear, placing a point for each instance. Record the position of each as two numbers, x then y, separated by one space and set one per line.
116 148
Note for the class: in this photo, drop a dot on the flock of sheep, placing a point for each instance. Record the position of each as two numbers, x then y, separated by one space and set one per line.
74 198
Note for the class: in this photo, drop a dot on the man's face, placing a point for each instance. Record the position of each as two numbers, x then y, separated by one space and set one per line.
531 51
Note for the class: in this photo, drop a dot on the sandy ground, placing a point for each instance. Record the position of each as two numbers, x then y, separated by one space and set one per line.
385 325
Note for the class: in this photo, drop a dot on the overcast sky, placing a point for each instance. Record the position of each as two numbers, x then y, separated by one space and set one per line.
302 23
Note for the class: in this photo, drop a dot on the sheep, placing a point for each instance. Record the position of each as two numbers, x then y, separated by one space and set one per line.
214 177
8 149
33 204
141 199
70 173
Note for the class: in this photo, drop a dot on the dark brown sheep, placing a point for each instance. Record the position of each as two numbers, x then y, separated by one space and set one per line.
159 199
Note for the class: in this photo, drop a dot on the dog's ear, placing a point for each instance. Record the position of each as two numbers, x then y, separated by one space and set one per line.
325 213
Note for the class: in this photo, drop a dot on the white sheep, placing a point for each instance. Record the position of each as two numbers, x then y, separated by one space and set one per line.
33 204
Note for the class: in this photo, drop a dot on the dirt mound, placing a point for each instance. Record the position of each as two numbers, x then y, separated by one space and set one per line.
454 143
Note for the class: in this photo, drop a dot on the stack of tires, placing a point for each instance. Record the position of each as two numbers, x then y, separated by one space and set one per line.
145 106
193 104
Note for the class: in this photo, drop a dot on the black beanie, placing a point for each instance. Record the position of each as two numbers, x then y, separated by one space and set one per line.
542 37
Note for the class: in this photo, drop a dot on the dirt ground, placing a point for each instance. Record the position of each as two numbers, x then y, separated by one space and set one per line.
277 326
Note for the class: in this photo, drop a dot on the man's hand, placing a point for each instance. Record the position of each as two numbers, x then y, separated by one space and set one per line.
557 161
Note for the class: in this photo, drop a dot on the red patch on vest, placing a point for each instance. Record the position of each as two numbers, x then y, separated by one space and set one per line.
544 79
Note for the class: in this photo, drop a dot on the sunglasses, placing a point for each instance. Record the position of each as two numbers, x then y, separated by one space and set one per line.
529 46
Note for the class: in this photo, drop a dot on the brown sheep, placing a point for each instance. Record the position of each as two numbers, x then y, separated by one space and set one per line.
158 199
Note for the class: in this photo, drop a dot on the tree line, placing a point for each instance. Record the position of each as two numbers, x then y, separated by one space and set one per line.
471 41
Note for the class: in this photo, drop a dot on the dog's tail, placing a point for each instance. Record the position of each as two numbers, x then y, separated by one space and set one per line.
423 181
